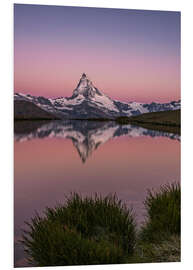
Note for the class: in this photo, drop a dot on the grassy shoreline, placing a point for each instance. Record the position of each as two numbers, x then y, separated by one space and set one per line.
167 121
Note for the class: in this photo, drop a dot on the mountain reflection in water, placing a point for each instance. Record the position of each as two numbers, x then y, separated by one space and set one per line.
86 136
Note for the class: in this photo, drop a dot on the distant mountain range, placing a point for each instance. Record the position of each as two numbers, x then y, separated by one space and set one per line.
86 136
86 102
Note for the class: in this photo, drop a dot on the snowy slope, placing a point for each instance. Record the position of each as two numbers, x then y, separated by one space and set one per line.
88 102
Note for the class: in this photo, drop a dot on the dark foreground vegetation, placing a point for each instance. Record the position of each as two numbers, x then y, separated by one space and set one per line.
100 230
159 236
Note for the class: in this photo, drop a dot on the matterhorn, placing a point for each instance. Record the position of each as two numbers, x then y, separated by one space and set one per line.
86 88
86 102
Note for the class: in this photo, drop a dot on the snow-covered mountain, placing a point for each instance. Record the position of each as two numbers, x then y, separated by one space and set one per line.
86 136
88 102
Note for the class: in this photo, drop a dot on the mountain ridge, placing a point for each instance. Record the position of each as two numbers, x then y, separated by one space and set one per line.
87 101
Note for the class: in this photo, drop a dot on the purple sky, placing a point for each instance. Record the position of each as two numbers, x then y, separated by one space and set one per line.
130 55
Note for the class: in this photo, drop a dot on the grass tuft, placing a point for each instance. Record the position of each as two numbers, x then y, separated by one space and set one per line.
97 230
163 213
81 231
167 250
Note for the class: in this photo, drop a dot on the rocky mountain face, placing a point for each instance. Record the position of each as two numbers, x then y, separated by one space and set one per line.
86 136
87 102
24 109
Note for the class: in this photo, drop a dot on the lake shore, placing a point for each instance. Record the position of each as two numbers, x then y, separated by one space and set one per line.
166 121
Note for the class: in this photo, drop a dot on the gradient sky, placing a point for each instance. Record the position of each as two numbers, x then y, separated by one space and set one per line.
130 55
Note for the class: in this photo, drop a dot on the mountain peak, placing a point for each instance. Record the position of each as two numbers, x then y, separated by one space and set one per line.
86 88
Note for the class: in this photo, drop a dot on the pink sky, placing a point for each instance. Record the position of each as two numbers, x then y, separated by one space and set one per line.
138 60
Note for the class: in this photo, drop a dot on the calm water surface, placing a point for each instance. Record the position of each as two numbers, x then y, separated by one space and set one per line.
56 158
